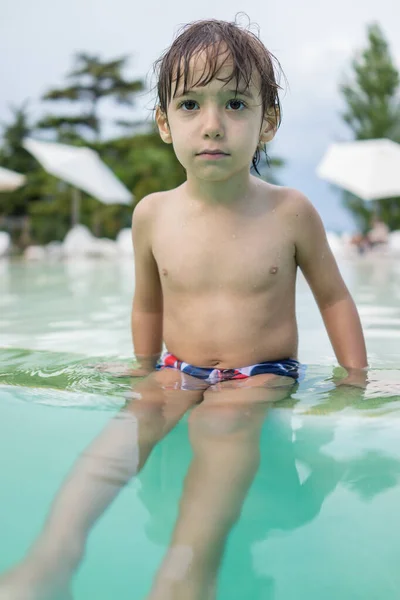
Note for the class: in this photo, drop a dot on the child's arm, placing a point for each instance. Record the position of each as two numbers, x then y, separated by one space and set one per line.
147 308
315 259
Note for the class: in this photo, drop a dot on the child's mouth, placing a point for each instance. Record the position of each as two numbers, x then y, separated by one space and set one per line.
213 154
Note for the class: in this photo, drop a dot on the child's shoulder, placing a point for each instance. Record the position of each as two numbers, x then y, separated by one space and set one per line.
149 203
148 208
292 203
287 198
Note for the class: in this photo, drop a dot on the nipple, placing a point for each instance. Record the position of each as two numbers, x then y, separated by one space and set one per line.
164 272
273 270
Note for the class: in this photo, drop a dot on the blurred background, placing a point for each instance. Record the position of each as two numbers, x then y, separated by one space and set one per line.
80 73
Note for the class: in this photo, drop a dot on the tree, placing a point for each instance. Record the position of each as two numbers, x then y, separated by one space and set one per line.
21 210
372 112
92 80
13 156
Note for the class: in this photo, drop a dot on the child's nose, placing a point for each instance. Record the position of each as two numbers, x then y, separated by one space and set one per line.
213 126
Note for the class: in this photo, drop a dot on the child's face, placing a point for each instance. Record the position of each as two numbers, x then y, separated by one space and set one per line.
214 118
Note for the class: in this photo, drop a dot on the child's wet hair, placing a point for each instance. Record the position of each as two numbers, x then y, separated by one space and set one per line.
220 40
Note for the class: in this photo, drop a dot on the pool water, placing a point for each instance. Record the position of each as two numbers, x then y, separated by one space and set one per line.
318 511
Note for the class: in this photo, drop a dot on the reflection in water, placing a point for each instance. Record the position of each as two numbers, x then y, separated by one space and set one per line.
295 478
243 472
281 497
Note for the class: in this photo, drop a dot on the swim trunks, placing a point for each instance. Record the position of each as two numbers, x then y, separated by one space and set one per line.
288 367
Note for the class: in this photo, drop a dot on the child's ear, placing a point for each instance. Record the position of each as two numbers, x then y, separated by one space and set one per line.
163 127
269 126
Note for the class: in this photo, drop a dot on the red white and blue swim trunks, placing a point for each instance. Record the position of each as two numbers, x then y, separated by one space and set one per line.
288 367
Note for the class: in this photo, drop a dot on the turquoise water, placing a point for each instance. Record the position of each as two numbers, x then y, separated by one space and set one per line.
316 514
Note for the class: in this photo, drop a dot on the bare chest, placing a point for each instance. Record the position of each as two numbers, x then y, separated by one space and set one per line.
201 255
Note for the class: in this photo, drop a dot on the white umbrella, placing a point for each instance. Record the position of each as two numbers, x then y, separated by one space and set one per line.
370 169
10 180
82 168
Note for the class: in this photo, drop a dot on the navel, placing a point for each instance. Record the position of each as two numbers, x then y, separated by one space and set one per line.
273 270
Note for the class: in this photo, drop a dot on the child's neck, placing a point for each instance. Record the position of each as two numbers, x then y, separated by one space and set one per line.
225 192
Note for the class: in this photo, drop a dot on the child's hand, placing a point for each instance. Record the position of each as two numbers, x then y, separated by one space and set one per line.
355 378
122 370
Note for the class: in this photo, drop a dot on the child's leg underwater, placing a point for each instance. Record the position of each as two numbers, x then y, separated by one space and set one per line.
225 435
102 470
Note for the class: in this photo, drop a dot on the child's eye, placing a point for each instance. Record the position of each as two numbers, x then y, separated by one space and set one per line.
236 104
188 105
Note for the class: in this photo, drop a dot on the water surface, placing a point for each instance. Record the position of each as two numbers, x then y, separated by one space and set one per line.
319 516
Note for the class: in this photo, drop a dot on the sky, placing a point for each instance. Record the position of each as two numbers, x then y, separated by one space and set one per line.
313 40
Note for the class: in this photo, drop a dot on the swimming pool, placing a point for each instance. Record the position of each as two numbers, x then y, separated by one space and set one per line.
316 517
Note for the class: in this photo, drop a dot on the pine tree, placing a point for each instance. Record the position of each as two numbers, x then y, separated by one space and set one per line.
92 80
373 112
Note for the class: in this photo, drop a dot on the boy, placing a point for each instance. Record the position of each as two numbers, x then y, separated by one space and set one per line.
216 258
216 263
